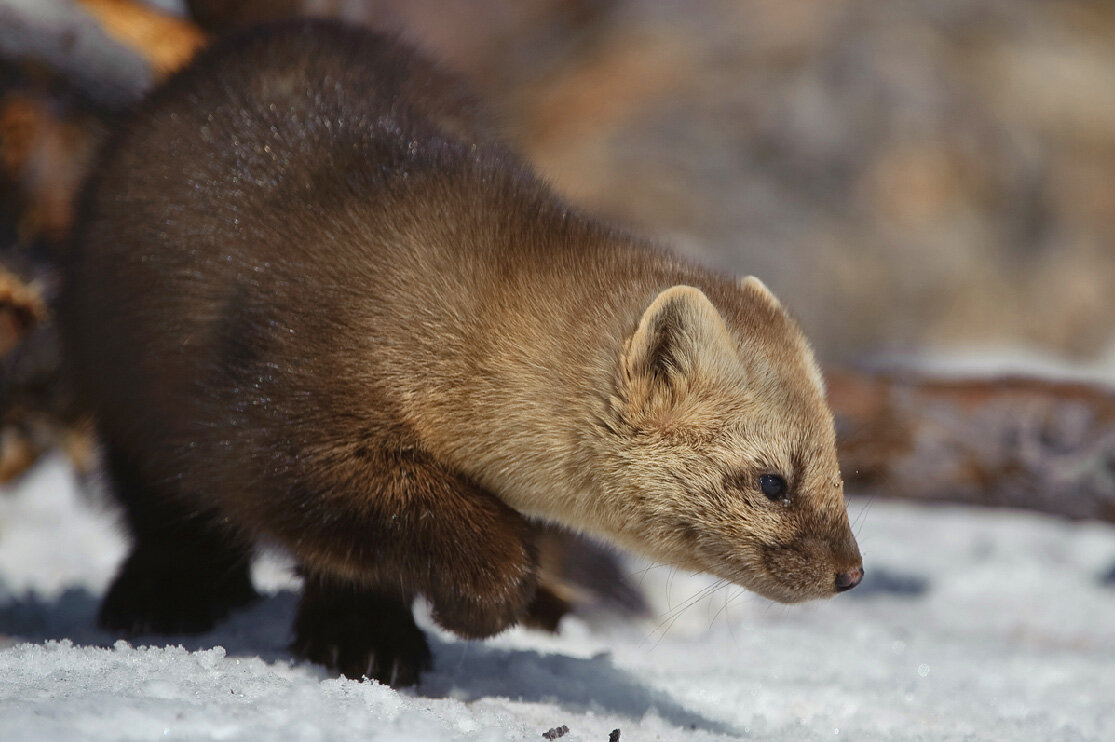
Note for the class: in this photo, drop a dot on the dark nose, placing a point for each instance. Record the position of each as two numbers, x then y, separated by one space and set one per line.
848 580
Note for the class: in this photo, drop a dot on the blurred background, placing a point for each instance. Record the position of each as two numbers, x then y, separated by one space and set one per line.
917 179
915 175
929 186
910 175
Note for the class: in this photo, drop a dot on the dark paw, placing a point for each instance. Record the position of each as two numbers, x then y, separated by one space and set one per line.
152 596
360 634
478 616
479 602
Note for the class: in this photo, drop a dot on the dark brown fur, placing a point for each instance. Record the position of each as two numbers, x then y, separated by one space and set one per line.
312 300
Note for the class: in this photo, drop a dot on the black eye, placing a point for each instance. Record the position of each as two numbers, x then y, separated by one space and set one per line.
773 486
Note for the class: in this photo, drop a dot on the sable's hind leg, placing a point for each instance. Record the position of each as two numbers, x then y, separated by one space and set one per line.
360 631
184 571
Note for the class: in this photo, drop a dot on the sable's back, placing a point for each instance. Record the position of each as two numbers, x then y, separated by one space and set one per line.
215 218
303 114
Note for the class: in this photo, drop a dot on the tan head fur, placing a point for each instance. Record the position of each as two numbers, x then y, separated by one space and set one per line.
709 399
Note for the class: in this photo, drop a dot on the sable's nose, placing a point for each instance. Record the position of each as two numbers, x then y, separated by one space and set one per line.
848 580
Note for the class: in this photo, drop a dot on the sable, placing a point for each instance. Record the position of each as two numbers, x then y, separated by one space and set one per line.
313 300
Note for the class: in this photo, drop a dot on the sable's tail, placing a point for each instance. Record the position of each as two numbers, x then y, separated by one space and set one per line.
578 575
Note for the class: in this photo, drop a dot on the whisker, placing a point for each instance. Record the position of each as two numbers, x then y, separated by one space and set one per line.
645 570
676 612
728 602
858 523
669 581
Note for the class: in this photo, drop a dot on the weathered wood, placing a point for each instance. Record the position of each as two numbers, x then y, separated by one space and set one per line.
1004 442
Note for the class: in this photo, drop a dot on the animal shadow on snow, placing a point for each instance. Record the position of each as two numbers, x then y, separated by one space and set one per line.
465 670
260 630
884 582
473 670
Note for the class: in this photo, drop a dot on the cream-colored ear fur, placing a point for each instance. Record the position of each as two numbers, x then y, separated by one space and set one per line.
753 284
681 338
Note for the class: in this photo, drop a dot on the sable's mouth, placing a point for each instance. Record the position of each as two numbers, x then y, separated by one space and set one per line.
765 582
778 573
789 595
784 592
788 574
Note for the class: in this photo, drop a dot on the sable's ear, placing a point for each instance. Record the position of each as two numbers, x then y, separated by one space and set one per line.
680 335
752 285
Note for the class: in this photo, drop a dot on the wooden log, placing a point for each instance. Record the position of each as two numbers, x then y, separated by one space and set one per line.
1019 442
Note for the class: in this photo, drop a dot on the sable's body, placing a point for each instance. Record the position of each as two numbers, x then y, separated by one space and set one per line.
312 300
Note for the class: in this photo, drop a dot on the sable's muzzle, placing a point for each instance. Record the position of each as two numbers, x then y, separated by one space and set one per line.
848 580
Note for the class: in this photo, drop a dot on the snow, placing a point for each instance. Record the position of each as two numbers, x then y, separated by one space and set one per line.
991 362
970 624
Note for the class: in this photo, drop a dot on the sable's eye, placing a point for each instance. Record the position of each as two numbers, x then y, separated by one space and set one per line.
773 486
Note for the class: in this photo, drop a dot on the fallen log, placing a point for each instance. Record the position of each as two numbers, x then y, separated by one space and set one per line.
1012 441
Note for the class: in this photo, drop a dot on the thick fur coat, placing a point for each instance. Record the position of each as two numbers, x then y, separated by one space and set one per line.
314 301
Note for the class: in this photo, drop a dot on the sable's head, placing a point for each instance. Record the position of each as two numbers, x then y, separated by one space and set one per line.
722 453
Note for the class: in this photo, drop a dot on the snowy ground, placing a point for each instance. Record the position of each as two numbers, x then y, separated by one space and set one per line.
969 625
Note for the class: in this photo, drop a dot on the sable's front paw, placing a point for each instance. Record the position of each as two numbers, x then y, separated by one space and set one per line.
479 602
359 633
